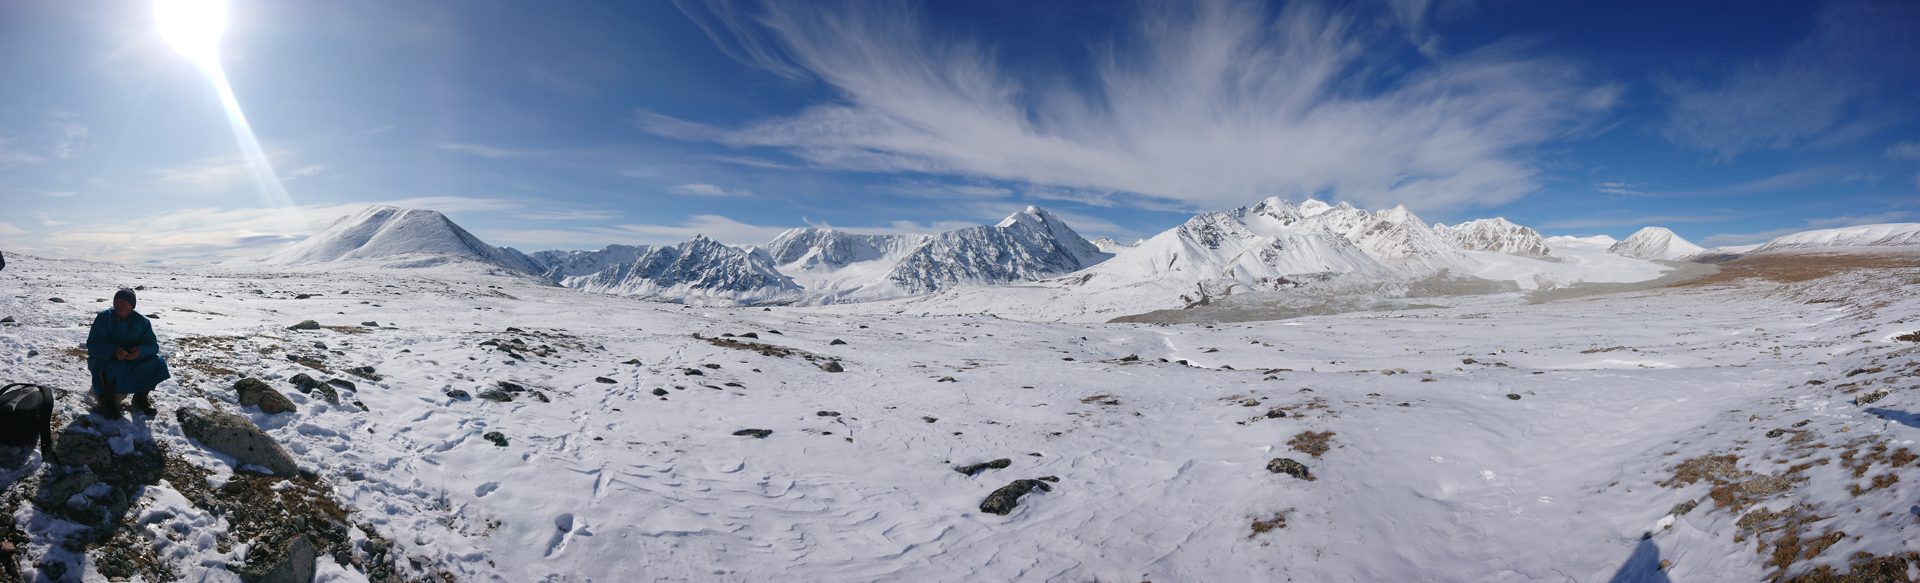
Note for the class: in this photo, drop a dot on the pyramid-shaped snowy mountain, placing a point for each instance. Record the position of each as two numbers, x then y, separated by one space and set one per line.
393 237
1030 245
1655 243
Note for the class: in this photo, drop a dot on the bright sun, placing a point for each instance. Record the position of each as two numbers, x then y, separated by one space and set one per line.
193 27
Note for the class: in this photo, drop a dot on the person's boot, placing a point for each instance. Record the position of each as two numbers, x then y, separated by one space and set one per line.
143 404
109 406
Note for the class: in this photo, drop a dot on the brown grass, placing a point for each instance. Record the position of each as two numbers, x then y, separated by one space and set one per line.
1796 266
1260 527
1311 443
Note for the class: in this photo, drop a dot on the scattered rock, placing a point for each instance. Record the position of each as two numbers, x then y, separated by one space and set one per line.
660 392
1683 508
1513 397
31 352
305 383
6 320
1467 361
513 329
1875 395
1803 423
370 324
832 366
1001 463
305 325
1130 358
930 419
1289 467
1275 413
750 335
711 366
946 380
496 395
634 361
343 383
56 300
320 345
304 296
254 393
836 342
1003 500
827 413
496 438
292 564
365 372
754 433
1776 433
539 396
1250 403
694 372
75 448
234 436
605 380
458 394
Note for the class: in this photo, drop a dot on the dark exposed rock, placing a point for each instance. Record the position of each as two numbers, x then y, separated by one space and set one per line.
1875 395
836 342
496 395
305 383
370 324
946 380
1683 508
1275 413
365 372
1289 467
930 419
320 345
981 467
496 438
832 366
254 393
693 372
605 380
633 361
1467 361
1003 500
458 394
293 563
305 325
304 296
1513 396
755 433
6 320
234 436
342 383
750 335
76 448
510 387
660 392
827 413
1130 358
56 300
539 396
1776 433
711 366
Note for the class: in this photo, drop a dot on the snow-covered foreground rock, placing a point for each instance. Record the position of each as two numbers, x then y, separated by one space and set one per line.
1512 442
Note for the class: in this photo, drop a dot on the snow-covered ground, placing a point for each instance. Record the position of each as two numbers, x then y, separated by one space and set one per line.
1434 473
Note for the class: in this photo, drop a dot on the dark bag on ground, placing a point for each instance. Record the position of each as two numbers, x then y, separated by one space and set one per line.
26 417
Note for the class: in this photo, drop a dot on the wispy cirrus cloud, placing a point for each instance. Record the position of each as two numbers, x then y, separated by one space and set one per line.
1210 103
1824 90
708 190
211 233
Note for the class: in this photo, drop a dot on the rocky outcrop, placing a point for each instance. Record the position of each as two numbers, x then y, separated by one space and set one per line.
236 437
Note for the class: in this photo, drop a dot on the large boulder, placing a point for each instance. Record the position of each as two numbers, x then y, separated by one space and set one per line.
255 393
234 436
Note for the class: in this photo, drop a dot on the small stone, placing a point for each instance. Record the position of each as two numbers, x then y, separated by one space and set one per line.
1776 433
509 386
496 438
750 335
1289 467
496 395
1683 508
320 345
836 342
370 324
827 413
1130 358
754 433
539 396
343 383
304 296
6 320
1803 423
634 361
56 300
693 372
946 380
981 467
1003 500
513 329
832 366
1467 361
1275 413
1875 395
660 392
33 352
305 325
1513 397
930 419
458 394
1250 403
711 366
605 380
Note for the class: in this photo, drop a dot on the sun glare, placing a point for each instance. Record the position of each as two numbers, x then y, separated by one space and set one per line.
193 27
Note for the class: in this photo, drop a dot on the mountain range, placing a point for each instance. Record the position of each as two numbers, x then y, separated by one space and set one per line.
1270 246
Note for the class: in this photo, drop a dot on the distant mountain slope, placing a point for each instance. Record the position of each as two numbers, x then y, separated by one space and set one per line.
1496 235
387 232
1029 245
700 269
1655 243
1881 235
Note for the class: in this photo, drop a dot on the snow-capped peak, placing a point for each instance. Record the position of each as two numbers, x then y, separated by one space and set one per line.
388 231
1655 243
1497 235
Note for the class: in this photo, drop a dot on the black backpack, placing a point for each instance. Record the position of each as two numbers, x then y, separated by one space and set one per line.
26 417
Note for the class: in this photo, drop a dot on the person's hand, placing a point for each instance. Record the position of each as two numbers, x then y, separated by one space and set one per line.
133 353
119 354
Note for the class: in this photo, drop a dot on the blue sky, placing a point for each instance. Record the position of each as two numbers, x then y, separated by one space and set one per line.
579 124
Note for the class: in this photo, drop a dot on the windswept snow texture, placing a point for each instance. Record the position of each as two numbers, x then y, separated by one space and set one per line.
834 266
1029 245
1496 235
1108 245
697 271
1882 235
1656 243
1515 443
388 233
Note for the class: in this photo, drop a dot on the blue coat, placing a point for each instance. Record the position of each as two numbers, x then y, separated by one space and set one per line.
111 333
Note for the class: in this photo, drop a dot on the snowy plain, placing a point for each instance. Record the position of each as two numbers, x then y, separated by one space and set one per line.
1436 473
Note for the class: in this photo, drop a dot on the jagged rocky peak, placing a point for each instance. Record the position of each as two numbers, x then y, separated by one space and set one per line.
1108 245
1655 243
1029 245
1497 235
699 268
386 232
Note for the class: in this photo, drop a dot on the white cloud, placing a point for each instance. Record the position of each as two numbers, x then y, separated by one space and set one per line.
305 171
485 151
217 234
1853 221
898 227
9 229
1590 223
1619 187
708 190
754 162
944 191
1211 105
569 215
714 227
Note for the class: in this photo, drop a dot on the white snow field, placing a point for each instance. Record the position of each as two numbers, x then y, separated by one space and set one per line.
1434 473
